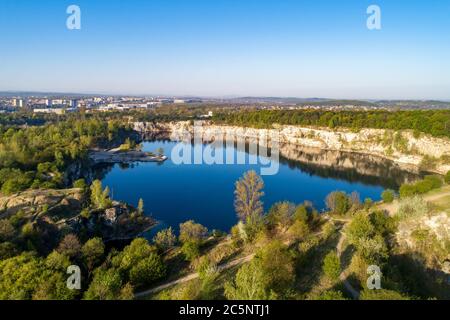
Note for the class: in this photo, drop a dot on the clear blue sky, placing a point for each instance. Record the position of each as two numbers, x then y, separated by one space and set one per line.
302 48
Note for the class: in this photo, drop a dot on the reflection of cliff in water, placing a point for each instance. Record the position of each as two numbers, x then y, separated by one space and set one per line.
352 167
347 166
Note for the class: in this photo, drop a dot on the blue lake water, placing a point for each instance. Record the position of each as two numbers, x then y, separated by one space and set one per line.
176 193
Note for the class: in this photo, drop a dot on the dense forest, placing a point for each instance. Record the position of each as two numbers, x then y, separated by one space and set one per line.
37 156
434 122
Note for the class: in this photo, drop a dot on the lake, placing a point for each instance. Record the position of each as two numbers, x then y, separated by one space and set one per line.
176 193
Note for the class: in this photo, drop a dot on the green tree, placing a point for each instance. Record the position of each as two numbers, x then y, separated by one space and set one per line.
80 184
57 261
192 232
277 265
147 271
280 216
338 202
165 239
27 277
191 250
332 266
105 285
92 252
249 284
139 263
301 213
388 196
360 227
100 197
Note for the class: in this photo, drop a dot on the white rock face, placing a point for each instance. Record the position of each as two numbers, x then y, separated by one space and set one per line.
401 147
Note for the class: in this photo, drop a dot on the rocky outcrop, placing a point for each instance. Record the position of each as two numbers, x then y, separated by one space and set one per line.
404 148
62 210
110 156
34 202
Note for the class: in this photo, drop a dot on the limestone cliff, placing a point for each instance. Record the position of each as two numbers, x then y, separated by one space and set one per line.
404 148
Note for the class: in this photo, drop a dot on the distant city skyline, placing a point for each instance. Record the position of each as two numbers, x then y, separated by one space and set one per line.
228 48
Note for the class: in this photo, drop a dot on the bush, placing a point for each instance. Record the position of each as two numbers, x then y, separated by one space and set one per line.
388 196
191 250
80 184
412 208
332 266
147 270
338 202
105 285
165 239
423 186
277 264
447 178
192 232
280 215
360 227
408 190
435 181
249 284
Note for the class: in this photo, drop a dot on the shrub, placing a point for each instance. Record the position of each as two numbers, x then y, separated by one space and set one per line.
412 208
190 250
388 196
165 239
360 227
147 270
408 190
277 264
192 232
435 181
92 252
80 184
447 178
338 202
423 186
280 215
249 284
332 266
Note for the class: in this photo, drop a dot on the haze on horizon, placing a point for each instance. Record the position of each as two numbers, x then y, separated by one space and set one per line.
228 48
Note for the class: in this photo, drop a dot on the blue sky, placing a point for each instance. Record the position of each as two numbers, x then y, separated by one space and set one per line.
301 48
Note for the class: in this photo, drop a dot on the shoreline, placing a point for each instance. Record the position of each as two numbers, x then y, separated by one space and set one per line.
367 142
115 156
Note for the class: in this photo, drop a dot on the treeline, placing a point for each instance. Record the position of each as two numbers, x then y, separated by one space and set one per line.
434 122
37 156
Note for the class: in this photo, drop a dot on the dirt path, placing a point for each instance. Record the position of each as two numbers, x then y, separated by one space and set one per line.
343 276
192 276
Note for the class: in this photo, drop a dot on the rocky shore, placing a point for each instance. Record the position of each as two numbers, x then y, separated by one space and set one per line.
117 156
403 148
